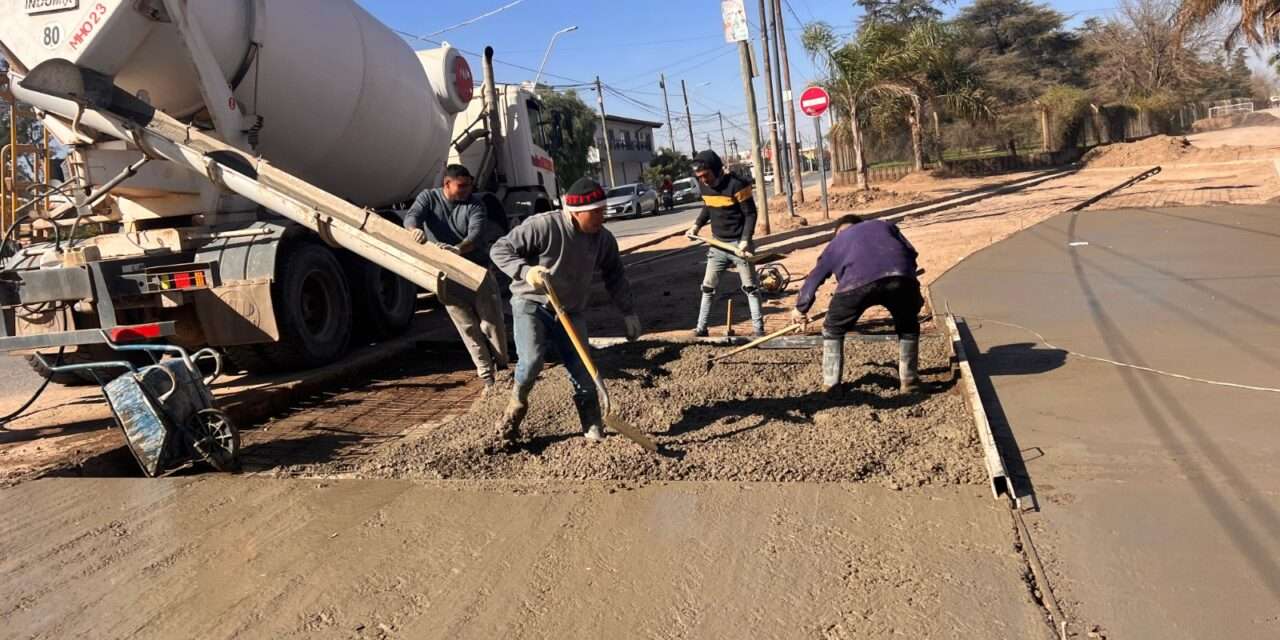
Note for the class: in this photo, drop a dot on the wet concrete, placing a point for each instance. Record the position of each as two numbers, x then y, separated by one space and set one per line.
1160 497
259 558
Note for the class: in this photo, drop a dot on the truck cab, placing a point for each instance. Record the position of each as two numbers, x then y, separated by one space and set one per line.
526 173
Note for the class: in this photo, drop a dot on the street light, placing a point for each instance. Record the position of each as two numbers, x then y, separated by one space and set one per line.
547 54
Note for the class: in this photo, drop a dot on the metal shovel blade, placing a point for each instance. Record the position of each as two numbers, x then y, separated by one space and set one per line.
633 434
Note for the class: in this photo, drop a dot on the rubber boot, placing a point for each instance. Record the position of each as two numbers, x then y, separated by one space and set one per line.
512 416
908 363
832 362
589 416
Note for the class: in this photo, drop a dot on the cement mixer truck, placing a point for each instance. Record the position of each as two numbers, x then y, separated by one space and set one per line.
246 158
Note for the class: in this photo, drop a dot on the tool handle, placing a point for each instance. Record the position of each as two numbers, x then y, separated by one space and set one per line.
724 246
759 341
570 329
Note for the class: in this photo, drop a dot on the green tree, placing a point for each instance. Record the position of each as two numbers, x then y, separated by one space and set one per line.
855 72
573 130
922 69
897 12
667 164
1023 48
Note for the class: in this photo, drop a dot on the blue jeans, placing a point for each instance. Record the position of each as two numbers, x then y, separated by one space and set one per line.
534 327
719 261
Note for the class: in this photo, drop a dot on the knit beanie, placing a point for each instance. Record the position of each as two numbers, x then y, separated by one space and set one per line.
585 194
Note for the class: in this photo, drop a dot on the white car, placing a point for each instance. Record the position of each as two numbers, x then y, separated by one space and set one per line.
686 190
630 200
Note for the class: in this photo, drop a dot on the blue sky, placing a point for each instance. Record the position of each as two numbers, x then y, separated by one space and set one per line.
628 43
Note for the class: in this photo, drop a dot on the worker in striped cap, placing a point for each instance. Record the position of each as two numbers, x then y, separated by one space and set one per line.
566 248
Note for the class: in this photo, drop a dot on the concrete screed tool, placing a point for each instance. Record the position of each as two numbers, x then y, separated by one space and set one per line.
761 340
611 420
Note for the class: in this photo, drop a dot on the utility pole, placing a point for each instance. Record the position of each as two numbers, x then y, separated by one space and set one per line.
757 160
693 143
782 177
723 145
662 82
604 132
784 64
768 86
733 144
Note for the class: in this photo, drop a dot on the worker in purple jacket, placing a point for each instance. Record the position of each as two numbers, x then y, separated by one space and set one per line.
873 265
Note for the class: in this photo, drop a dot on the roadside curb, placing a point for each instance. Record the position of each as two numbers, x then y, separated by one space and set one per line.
996 470
662 236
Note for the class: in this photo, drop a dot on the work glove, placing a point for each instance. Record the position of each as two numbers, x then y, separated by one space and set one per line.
419 236
801 318
744 246
633 327
692 233
536 276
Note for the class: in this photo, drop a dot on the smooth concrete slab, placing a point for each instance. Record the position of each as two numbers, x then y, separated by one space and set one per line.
1160 496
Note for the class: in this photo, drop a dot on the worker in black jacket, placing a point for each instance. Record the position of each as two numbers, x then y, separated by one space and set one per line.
728 204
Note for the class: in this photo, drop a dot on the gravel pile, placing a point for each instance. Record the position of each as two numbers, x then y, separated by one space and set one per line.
756 417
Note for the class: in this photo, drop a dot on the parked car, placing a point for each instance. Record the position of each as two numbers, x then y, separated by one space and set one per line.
630 200
686 190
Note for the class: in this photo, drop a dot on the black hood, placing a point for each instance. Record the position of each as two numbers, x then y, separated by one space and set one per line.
710 160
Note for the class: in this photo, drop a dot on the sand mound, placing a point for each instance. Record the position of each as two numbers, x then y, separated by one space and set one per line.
843 199
1252 119
755 417
1164 150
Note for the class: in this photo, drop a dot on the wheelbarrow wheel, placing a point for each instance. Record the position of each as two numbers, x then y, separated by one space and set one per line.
216 439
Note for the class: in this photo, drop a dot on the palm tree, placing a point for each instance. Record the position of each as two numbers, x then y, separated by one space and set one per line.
855 72
1259 19
901 69
930 73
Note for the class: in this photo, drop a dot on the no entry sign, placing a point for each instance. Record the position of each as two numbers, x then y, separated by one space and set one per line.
814 101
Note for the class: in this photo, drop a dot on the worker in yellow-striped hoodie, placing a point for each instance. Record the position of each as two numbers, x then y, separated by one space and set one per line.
729 206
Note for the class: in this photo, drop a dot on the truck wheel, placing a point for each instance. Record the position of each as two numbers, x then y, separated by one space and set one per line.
313 309
86 354
384 302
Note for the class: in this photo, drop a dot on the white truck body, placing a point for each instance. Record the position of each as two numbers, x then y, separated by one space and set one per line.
307 109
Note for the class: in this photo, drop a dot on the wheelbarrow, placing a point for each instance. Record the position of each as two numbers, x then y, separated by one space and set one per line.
166 411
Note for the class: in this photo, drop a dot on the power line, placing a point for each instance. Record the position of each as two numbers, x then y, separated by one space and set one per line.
495 60
692 61
477 18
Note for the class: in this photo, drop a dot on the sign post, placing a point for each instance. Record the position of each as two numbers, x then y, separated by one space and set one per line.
734 13
814 102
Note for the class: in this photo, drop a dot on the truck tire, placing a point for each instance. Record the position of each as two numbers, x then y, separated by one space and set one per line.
313 309
384 303
86 354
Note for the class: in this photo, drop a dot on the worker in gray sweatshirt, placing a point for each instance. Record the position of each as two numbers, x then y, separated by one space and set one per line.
565 248
454 220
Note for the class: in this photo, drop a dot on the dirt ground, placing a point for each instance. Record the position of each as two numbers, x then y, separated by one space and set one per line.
758 416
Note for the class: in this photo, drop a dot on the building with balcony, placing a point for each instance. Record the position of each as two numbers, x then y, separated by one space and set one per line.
630 144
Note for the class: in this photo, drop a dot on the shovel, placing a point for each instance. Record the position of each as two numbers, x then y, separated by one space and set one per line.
611 420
